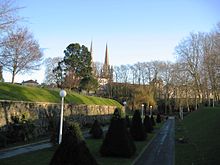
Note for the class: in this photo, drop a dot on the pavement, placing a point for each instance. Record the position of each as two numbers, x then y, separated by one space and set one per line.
9 152
161 149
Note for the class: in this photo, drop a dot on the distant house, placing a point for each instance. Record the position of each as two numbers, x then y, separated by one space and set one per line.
30 83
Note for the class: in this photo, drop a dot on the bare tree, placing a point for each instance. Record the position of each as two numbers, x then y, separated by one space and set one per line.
20 53
190 52
51 64
97 69
8 14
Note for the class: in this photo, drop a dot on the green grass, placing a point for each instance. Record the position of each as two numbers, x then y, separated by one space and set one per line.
37 94
201 129
44 156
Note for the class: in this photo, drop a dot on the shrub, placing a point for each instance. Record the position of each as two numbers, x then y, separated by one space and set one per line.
118 141
137 128
73 149
158 119
118 113
53 127
75 129
152 120
96 130
147 124
128 122
20 130
3 140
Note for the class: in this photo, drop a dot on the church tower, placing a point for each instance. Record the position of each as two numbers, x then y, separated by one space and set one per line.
106 67
92 62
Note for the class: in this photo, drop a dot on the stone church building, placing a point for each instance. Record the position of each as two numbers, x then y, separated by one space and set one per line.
105 75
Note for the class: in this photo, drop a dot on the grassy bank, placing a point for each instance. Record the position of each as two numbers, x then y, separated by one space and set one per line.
201 133
44 156
37 94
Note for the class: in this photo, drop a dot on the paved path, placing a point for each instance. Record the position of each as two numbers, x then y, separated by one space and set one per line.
161 149
9 152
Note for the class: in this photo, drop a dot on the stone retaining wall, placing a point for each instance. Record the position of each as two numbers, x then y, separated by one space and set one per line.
38 112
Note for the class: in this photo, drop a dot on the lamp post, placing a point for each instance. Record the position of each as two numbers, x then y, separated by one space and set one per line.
62 95
142 113
124 103
151 110
212 98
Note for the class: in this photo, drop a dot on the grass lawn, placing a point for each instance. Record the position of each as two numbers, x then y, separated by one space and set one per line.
201 129
42 157
37 94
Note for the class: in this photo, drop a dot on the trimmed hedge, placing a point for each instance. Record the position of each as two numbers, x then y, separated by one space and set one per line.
137 128
147 124
96 130
118 142
73 149
158 119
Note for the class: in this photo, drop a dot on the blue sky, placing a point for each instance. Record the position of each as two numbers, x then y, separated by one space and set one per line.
135 30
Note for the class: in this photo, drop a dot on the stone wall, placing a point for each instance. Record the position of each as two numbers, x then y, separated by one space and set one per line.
38 112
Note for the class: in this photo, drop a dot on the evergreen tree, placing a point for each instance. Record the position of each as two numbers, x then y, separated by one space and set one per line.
152 120
158 119
96 130
118 142
137 128
73 149
75 70
147 124
128 122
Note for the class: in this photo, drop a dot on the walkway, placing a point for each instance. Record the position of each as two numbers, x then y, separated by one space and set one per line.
9 152
161 149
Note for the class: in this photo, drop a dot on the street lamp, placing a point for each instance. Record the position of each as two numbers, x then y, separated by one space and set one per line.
62 95
142 113
212 98
151 110
124 103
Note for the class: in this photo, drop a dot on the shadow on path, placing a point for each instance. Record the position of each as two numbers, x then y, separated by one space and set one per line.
9 152
161 150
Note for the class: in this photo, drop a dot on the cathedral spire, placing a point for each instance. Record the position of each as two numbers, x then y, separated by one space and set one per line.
106 56
91 51
106 66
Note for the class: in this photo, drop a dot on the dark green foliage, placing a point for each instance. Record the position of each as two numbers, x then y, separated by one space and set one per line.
73 150
118 142
147 124
89 83
75 69
3 140
158 119
96 130
118 113
78 59
128 122
137 128
53 126
75 129
152 120
20 130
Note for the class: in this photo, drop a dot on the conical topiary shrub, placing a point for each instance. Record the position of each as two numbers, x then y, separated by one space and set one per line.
152 120
128 122
147 124
117 142
158 119
73 149
137 128
96 130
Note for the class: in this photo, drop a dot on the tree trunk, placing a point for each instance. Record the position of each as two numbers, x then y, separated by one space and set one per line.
13 77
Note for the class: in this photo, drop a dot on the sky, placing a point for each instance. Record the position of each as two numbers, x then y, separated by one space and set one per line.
134 30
